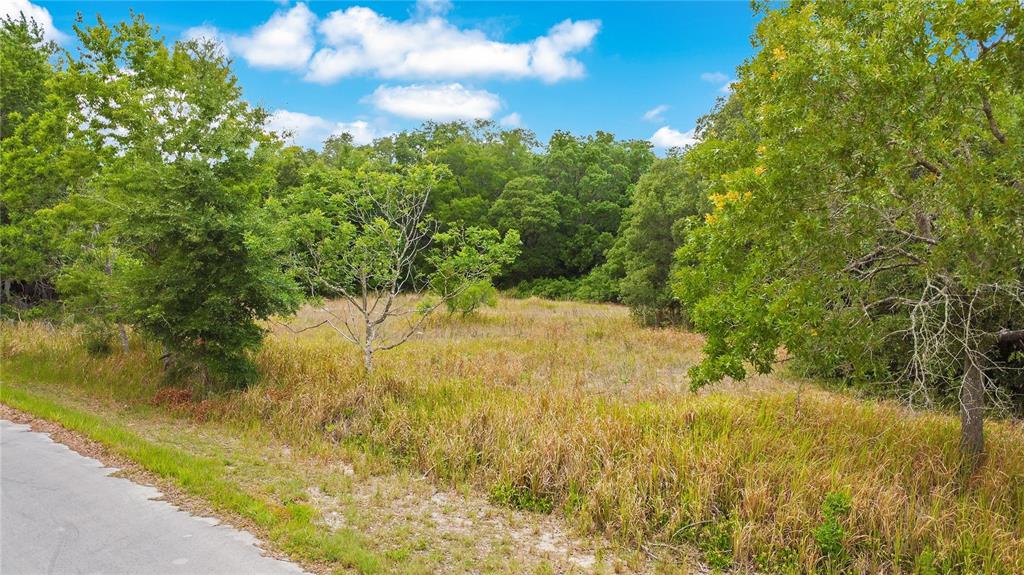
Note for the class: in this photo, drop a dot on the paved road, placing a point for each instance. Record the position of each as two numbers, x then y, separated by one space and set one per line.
63 513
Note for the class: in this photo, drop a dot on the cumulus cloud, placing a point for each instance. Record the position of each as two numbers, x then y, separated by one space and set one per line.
512 120
361 41
310 131
440 102
426 46
284 42
656 114
666 138
14 9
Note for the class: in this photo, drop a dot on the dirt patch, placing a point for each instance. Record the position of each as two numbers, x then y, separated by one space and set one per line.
450 531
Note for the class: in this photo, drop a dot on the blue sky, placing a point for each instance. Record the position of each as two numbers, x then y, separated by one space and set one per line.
637 69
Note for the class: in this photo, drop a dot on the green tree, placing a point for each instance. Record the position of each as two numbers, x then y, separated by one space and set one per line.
526 205
593 177
665 200
868 203
187 178
33 167
25 68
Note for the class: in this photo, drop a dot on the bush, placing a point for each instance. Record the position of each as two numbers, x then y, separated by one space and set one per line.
598 286
98 338
480 293
548 288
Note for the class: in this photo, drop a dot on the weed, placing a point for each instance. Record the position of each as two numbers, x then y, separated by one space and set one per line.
519 497
830 535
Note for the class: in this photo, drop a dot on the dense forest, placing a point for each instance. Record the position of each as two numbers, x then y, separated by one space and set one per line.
856 201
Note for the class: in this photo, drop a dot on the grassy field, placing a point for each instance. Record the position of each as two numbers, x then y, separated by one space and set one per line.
559 422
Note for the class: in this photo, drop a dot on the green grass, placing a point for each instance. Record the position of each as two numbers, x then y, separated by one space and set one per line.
290 527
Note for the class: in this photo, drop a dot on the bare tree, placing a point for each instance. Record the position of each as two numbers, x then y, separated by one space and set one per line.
388 247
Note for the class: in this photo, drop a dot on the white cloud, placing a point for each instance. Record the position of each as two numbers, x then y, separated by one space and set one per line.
206 32
359 40
442 102
714 77
723 80
284 42
426 8
666 137
361 131
513 120
14 9
656 114
311 131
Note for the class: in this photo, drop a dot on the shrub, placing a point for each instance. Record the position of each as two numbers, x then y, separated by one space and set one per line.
547 288
480 293
98 339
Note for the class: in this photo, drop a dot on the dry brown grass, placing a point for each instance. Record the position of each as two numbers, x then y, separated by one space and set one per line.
572 407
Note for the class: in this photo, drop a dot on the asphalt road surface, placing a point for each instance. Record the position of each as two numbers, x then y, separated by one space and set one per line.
61 512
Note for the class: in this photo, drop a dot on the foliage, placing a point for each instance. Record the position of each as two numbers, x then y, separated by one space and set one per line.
890 252
185 170
547 288
830 534
32 160
520 497
664 200
25 67
565 199
475 296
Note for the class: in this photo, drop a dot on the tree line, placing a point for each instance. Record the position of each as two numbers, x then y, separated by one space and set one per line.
854 208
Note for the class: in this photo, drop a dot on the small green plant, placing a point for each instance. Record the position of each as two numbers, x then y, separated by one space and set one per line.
784 561
478 294
715 542
519 497
98 339
924 564
830 534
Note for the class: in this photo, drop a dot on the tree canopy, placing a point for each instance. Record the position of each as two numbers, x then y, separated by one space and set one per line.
868 207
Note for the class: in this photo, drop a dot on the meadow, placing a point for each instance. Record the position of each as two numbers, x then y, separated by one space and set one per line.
571 411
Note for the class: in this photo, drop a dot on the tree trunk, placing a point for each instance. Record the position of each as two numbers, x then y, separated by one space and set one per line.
972 407
124 337
167 357
371 335
368 359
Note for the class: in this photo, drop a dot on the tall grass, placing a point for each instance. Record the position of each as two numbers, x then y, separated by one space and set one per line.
571 407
